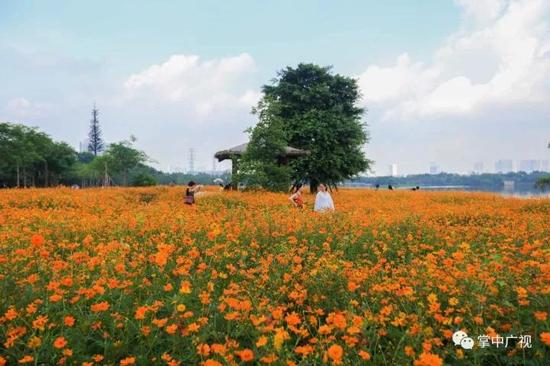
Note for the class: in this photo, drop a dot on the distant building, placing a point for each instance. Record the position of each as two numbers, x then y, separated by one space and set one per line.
529 166
504 166
84 146
434 168
393 170
478 168
545 165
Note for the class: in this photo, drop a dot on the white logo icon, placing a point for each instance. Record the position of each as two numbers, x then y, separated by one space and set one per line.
460 338
467 343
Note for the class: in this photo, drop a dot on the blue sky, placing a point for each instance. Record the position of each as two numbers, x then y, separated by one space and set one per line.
439 80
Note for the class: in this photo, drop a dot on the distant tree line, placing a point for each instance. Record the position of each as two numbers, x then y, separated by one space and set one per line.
31 158
522 180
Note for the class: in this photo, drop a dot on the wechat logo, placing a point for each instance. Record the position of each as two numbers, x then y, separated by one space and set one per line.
460 338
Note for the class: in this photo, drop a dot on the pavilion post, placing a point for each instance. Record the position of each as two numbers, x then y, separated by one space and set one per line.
234 171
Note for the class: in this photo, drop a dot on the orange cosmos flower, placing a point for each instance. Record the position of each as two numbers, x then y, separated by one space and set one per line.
98 358
34 342
128 361
211 362
545 338
185 287
335 353
203 349
293 319
262 341
364 355
428 359
26 359
99 307
141 312
60 342
69 321
304 350
11 314
37 240
246 355
171 329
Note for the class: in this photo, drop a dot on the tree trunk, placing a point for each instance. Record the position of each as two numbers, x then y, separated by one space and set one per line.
24 177
106 178
313 185
18 175
46 174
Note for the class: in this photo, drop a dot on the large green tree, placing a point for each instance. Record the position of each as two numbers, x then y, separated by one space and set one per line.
262 165
124 157
318 111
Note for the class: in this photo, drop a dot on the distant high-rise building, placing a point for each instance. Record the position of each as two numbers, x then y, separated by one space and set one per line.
529 166
478 168
434 168
191 160
504 166
393 170
84 146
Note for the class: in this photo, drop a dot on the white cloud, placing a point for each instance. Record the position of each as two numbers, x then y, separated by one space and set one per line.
481 11
207 85
501 55
21 108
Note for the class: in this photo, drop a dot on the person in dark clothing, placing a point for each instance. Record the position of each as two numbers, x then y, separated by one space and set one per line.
190 191
390 187
377 186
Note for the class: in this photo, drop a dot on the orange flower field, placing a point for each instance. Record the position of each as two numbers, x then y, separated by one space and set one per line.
135 277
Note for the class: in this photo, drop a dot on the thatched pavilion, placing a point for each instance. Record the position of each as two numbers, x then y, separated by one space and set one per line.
236 152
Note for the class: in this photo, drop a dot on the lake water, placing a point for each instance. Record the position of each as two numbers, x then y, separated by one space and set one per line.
529 193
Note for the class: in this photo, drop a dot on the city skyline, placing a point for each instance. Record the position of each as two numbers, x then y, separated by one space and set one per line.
464 86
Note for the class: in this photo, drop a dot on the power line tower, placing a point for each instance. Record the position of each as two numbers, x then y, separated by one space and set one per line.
192 160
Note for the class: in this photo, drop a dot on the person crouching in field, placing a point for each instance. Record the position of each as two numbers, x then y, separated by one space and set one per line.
192 188
297 198
323 200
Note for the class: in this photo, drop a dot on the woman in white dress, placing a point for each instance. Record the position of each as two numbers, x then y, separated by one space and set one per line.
323 200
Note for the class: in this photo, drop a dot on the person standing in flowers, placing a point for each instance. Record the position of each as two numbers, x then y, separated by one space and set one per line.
323 200
297 198
192 188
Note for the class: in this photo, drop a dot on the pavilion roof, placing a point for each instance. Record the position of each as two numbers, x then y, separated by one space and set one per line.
240 149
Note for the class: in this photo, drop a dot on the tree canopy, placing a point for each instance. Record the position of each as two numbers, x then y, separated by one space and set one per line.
318 111
260 165
31 157
96 144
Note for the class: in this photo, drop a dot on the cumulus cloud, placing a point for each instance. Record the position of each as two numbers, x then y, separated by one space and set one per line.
500 55
22 109
208 85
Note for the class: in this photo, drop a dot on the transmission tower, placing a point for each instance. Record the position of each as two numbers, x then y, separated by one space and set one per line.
191 160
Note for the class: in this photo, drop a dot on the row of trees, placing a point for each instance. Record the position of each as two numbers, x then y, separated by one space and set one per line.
310 108
544 182
522 181
29 157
